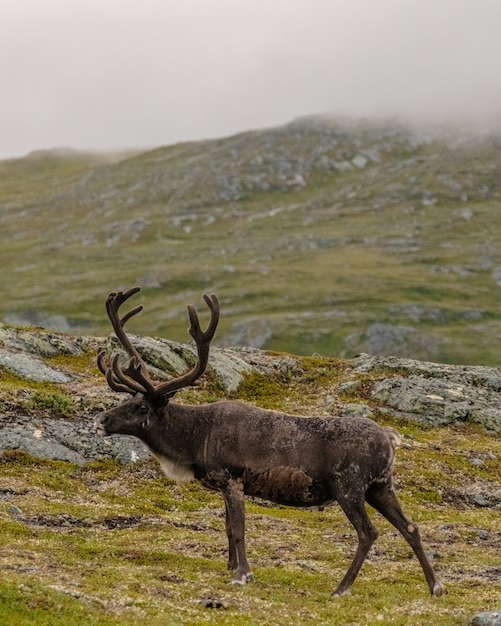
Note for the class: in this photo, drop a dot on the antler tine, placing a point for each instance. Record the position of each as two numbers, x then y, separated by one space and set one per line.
114 381
113 304
134 378
101 356
105 368
130 379
136 371
128 315
202 340
195 330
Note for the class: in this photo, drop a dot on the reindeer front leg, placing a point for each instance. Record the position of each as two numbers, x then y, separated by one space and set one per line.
232 551
233 495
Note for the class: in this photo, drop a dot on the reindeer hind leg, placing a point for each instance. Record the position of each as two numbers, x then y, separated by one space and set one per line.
383 498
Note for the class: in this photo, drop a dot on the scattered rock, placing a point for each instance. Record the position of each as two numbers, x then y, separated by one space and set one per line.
477 462
483 534
397 340
430 393
435 393
67 440
433 555
360 161
38 342
213 603
27 366
355 409
15 511
480 500
174 358
488 618
349 387
250 332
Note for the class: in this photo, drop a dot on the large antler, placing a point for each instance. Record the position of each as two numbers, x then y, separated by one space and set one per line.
135 377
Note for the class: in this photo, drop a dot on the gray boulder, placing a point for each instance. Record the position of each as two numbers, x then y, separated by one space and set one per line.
169 358
487 618
435 393
28 366
66 440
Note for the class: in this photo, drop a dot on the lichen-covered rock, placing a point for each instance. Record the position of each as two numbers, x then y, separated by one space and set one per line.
39 342
436 393
487 618
430 393
28 366
169 358
66 440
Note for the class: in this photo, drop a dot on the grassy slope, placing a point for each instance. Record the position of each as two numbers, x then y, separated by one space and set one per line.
313 266
107 545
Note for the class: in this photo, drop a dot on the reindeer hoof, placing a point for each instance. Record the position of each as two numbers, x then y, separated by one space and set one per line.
438 589
338 594
243 579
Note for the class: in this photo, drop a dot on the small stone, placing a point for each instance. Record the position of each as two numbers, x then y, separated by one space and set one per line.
481 500
359 161
329 400
349 387
487 618
14 511
482 534
355 409
212 603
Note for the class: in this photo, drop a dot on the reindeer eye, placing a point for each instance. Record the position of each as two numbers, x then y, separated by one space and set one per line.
143 408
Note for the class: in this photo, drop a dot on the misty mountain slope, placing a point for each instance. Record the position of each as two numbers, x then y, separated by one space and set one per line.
328 236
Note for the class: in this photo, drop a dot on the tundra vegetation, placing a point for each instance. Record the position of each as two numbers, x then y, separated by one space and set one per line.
377 237
110 544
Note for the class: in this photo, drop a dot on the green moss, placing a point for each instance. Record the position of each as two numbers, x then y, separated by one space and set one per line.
12 530
52 403
12 382
30 604
84 362
210 389
430 495
164 566
115 544
260 389
34 397
12 459
322 371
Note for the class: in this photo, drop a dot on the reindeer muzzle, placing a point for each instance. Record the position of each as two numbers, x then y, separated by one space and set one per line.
99 425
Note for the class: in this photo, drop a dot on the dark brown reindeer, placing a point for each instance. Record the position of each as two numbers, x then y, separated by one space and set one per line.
239 449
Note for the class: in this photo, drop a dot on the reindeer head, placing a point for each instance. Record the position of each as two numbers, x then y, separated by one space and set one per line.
137 415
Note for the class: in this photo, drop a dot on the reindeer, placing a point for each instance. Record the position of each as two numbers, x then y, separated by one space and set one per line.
239 450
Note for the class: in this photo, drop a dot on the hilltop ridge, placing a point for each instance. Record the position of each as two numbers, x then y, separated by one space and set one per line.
320 236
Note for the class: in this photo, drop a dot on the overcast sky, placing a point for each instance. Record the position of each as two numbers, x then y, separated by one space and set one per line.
108 74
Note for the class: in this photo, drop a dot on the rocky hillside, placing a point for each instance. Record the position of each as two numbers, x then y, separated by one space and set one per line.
50 389
92 532
322 236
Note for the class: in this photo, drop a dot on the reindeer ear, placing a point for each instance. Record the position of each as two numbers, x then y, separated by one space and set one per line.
162 400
